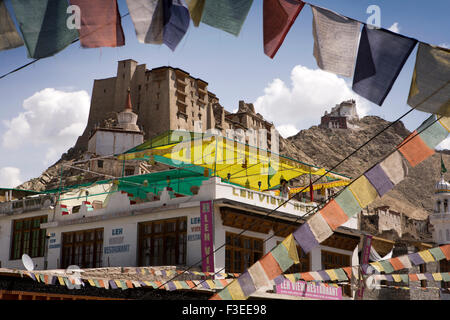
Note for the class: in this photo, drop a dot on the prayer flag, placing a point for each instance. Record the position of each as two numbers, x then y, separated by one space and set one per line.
415 258
270 266
306 276
246 283
278 17
9 37
258 275
377 265
305 238
432 132
397 278
347 201
404 278
405 261
335 41
148 19
43 26
413 277
316 275
381 56
379 180
196 10
340 274
100 23
430 85
290 277
446 250
176 22
319 227
426 256
395 167
291 247
437 276
396 264
281 255
387 266
348 271
437 253
445 122
414 149
236 291
363 191
225 294
445 276
227 15
333 214
332 274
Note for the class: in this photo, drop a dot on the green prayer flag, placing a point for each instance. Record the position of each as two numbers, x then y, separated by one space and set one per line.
44 26
281 255
227 15
346 200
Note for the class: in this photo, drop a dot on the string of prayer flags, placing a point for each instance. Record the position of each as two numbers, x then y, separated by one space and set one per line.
147 17
176 22
43 26
333 214
305 238
9 37
335 41
196 10
347 201
319 227
227 15
101 24
278 17
430 83
381 56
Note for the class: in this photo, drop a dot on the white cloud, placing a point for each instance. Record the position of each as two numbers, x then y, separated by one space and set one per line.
10 177
444 45
394 28
287 130
52 120
301 105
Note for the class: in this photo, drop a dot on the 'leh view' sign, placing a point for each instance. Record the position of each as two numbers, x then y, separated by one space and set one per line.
309 290
206 233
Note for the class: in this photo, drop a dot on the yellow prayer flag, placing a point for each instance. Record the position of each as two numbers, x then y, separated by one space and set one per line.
445 122
397 278
148 283
291 247
61 281
437 276
377 266
211 284
118 283
235 291
290 277
426 256
332 274
363 191
91 282
178 284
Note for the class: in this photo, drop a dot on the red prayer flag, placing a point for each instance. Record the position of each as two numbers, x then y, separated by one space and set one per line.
278 17
100 23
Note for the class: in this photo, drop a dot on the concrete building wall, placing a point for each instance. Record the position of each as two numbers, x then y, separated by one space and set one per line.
112 142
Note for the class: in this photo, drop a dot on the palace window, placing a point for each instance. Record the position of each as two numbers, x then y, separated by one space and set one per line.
162 242
241 252
82 248
28 237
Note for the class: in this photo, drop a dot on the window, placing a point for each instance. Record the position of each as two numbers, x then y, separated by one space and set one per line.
333 260
82 248
28 237
100 163
129 171
241 252
162 242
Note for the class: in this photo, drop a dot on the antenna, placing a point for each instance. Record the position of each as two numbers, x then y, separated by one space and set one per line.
27 262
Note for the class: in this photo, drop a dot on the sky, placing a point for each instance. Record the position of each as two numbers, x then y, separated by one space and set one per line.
44 107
